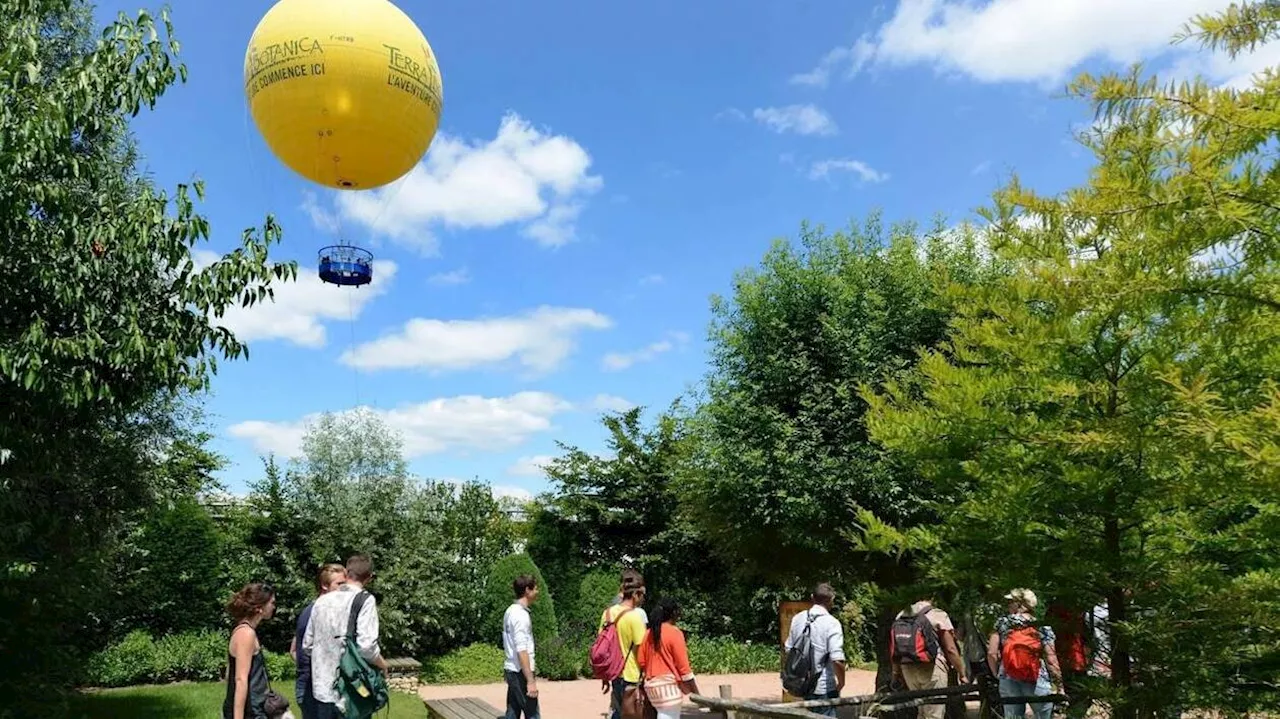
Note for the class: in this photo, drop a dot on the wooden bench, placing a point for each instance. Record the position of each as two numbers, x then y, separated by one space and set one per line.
464 708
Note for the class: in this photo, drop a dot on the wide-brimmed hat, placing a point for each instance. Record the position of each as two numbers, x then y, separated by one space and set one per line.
1025 597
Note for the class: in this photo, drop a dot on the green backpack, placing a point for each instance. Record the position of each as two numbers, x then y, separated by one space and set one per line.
362 688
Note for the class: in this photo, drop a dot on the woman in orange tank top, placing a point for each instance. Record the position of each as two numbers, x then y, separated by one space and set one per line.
663 657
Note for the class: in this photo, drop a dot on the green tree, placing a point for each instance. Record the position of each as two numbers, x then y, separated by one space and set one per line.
173 583
500 596
350 491
623 508
782 458
480 533
104 318
1104 423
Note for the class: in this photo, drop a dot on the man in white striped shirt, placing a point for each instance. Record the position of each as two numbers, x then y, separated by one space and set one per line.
517 643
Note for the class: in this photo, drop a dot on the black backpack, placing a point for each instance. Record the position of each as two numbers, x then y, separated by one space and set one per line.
799 673
912 639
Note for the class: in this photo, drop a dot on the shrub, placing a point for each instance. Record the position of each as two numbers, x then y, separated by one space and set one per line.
564 657
723 655
597 589
479 663
498 590
193 656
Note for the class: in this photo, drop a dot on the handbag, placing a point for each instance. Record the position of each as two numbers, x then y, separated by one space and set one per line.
275 705
635 703
664 692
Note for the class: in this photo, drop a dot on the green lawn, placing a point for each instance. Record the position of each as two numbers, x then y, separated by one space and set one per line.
198 701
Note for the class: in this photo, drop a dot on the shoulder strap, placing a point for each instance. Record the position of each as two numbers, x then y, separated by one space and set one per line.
356 605
608 623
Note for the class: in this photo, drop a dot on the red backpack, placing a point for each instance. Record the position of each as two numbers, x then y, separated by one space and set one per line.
607 661
1020 654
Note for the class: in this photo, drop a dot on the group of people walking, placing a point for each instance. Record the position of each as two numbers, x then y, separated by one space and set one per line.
343 609
653 654
1021 654
639 658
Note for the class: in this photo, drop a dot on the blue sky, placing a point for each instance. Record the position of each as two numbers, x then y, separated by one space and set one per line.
674 140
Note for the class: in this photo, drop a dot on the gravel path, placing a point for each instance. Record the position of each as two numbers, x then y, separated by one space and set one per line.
582 699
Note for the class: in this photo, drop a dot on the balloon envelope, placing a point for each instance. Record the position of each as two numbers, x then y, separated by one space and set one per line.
347 93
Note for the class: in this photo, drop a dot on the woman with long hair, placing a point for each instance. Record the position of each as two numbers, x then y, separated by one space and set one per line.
663 656
247 684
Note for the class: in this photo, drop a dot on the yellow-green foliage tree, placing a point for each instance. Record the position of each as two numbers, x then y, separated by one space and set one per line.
1104 422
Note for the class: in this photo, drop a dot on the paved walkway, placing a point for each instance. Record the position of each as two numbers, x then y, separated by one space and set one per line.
582 699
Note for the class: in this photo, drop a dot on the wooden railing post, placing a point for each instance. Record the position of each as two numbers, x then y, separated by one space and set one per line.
726 692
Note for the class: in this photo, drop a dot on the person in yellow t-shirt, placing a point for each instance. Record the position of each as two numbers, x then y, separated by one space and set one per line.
631 629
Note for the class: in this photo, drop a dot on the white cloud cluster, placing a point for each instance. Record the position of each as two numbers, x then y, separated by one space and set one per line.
1014 40
616 361
301 307
848 61
533 466
822 170
439 425
796 119
611 403
459 276
538 340
522 176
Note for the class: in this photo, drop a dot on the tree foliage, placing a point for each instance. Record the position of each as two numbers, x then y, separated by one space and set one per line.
623 508
499 595
103 320
350 491
1104 423
782 459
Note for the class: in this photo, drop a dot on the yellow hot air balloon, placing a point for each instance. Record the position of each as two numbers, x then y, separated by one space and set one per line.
347 93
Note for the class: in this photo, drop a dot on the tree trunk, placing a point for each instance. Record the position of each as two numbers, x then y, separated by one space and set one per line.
1118 611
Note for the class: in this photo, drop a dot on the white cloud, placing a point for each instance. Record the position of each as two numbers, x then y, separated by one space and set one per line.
654 279
320 217
1017 40
981 168
459 276
530 466
522 176
848 60
823 168
520 494
439 425
538 340
798 119
611 403
616 361
1234 73
731 113
300 307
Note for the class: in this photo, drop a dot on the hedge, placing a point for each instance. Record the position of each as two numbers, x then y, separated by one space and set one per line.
192 656
482 663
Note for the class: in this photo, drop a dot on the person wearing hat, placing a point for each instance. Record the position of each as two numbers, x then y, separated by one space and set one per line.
1020 652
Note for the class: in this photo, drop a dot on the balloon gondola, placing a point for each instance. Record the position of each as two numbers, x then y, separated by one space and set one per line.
346 265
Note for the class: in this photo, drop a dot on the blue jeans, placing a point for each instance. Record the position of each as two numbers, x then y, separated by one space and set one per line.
518 700
1015 688
824 711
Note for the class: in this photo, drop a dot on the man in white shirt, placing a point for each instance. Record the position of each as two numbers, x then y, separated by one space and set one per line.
826 638
517 644
326 635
